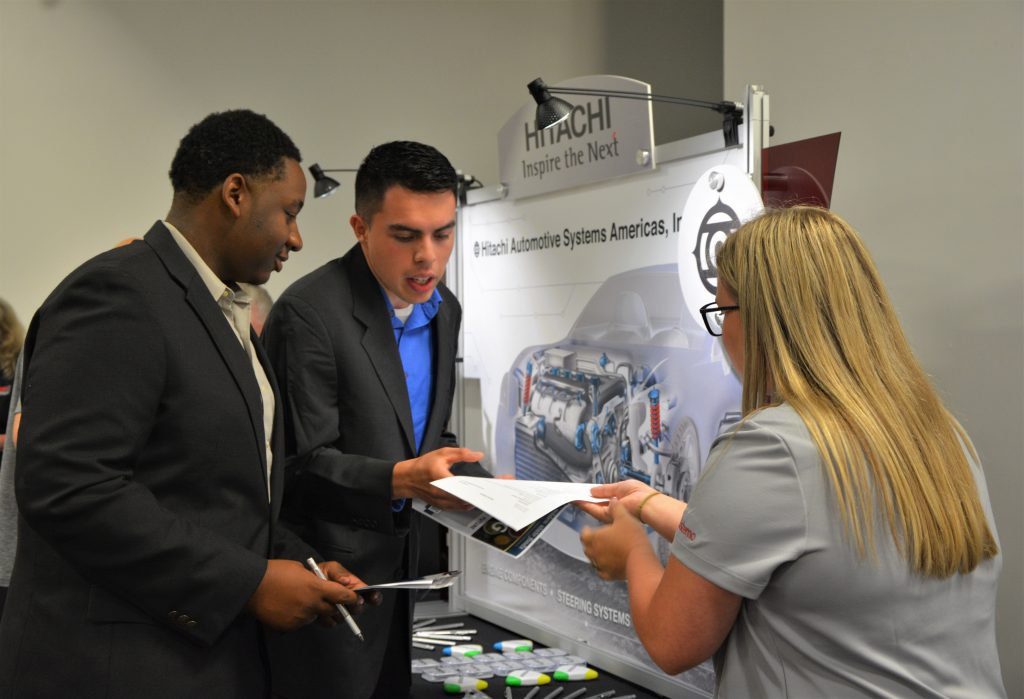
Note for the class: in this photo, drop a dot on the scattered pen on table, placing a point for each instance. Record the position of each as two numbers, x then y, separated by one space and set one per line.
439 627
577 693
532 693
311 564
422 622
605 695
554 693
508 693
439 642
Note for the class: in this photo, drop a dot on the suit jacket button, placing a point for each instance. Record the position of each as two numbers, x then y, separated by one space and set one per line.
173 615
191 623
184 619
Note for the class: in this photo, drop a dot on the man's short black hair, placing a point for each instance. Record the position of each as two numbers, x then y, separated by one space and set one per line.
238 140
414 166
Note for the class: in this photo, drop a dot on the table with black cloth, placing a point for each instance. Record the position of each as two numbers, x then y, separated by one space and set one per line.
487 635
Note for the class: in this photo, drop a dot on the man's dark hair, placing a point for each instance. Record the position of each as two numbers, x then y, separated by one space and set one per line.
238 140
414 166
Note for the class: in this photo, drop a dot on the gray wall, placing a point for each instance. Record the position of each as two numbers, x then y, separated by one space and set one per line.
94 96
928 96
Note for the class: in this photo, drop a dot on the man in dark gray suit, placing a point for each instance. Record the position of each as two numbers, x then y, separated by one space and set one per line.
150 460
365 350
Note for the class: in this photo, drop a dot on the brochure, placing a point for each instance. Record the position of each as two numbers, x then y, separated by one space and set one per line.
516 503
480 526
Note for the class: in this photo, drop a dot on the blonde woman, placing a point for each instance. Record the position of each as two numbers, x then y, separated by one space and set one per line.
841 541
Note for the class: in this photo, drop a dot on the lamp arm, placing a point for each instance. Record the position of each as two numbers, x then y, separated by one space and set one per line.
723 107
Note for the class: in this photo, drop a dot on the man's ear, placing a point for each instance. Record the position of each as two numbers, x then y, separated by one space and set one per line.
234 192
359 227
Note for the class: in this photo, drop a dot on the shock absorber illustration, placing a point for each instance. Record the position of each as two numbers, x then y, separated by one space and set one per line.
526 387
655 396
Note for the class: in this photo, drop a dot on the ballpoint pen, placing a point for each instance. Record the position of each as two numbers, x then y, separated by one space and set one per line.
311 564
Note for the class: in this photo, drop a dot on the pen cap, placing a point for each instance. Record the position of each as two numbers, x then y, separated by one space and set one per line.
526 678
458 685
565 673
515 645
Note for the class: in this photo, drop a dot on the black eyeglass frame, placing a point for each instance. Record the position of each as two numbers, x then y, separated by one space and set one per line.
714 308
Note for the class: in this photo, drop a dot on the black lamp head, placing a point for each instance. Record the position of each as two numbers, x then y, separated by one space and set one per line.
323 185
550 110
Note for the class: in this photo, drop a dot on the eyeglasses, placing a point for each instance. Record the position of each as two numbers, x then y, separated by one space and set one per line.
714 316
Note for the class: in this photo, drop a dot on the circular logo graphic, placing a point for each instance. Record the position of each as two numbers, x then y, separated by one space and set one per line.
719 221
720 201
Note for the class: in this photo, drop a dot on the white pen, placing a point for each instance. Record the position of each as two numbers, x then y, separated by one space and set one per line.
441 627
311 564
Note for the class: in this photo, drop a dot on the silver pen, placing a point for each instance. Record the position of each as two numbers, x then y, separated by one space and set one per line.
311 564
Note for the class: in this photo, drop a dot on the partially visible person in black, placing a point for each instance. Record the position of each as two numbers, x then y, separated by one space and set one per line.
12 336
8 507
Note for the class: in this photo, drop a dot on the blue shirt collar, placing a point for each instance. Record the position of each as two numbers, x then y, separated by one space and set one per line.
422 313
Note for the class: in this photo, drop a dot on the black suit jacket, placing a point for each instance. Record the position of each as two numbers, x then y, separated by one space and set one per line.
141 481
347 422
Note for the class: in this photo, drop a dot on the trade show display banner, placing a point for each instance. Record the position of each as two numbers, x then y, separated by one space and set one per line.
603 137
581 322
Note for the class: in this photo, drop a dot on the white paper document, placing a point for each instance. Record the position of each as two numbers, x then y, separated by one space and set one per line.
516 503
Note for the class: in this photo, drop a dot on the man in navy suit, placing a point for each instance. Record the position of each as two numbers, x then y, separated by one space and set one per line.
365 349
150 461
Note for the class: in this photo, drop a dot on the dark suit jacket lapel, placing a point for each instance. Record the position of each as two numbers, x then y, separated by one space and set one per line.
212 318
444 358
369 308
277 438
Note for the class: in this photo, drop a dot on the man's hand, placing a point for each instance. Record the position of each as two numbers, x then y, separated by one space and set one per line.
412 478
290 596
336 572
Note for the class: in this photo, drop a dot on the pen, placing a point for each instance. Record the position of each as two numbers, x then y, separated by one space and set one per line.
311 564
441 627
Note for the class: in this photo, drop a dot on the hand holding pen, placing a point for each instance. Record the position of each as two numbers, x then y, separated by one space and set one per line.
311 564
287 598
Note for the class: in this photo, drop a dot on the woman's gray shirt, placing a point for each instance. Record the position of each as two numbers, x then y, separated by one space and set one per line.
816 620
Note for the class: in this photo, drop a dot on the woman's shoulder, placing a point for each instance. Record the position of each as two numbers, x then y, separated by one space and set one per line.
779 425
781 419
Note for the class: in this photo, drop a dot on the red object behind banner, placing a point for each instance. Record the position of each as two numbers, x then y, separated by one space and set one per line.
801 172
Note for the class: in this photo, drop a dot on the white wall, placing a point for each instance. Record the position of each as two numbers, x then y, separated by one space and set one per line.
928 96
95 95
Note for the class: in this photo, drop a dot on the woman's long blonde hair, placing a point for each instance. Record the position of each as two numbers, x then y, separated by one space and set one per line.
12 336
820 334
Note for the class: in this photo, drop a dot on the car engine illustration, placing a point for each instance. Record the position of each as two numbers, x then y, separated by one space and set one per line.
636 390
